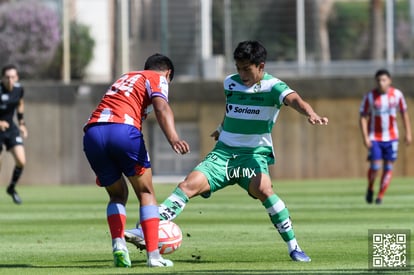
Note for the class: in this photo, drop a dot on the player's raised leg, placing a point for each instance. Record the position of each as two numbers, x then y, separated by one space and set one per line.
149 218
261 188
194 184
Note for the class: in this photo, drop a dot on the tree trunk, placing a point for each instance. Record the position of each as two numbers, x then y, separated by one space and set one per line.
324 10
377 31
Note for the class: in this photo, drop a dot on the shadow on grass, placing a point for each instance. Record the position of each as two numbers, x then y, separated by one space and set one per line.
141 264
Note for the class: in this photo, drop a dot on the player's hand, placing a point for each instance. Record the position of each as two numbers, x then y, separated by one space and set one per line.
408 139
367 143
215 135
4 125
23 131
316 119
180 147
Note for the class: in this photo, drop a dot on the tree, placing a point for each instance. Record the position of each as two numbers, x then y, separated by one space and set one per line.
324 10
29 36
377 33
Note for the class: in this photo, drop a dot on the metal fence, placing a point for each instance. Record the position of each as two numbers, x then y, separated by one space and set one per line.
303 37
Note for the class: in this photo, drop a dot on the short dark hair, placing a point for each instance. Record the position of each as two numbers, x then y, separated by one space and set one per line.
250 50
382 72
8 67
159 62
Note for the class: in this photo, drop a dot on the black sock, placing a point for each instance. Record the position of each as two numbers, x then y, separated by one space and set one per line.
16 175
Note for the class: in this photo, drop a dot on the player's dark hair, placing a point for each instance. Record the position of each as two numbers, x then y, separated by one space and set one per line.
159 62
250 50
8 67
382 72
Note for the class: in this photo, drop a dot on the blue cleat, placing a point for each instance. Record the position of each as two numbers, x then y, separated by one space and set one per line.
299 256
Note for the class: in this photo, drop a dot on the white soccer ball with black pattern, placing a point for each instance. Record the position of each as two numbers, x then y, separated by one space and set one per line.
169 237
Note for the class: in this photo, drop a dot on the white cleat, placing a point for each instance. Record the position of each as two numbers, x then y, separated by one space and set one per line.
161 262
136 237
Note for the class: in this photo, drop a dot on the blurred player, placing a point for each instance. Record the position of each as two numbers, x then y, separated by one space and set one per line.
244 148
114 146
378 124
11 135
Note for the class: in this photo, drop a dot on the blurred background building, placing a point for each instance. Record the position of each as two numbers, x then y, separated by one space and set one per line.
304 37
68 51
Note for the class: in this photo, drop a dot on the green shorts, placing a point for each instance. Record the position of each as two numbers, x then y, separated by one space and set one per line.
225 166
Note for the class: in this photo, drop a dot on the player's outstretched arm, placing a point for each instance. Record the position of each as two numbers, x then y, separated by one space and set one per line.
296 102
165 118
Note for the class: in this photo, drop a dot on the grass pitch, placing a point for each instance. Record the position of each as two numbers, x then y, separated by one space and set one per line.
63 230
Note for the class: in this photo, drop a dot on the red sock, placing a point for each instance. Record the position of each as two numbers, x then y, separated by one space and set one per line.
385 182
116 218
372 174
150 230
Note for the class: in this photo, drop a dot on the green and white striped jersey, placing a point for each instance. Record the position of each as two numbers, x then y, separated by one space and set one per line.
251 113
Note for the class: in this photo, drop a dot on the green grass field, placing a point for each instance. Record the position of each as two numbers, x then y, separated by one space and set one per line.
63 230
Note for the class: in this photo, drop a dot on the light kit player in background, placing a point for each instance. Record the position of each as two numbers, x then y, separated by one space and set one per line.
244 148
378 124
114 146
11 135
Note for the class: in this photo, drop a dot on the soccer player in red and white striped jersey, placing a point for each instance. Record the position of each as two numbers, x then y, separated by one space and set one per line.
378 123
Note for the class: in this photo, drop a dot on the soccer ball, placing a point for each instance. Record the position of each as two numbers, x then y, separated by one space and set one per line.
169 237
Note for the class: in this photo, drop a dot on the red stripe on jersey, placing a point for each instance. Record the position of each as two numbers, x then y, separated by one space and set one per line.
382 109
377 128
129 99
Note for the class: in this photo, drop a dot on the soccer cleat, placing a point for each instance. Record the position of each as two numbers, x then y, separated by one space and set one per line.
299 256
136 237
121 258
369 196
161 262
378 201
12 192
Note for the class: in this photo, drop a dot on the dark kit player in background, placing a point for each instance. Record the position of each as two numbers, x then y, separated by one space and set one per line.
11 135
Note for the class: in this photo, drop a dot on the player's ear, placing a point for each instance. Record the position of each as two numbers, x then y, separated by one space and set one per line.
261 66
168 76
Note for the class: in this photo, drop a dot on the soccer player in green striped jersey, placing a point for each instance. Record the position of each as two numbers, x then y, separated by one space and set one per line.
244 146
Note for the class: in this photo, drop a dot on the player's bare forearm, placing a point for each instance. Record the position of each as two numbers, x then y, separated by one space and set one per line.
296 102
20 107
165 118
407 127
363 126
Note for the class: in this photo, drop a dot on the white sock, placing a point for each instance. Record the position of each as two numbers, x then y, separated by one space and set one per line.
293 245
119 244
154 254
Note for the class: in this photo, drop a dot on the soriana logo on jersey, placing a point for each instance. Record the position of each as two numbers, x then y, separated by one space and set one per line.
241 110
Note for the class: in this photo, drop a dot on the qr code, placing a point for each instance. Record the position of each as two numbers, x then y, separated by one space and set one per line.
389 249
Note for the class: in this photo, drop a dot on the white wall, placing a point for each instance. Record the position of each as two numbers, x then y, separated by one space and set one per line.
97 15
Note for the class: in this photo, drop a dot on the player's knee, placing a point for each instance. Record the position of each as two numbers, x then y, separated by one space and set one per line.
388 166
375 166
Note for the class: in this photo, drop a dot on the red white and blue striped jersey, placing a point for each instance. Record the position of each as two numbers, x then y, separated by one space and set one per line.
129 99
381 109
